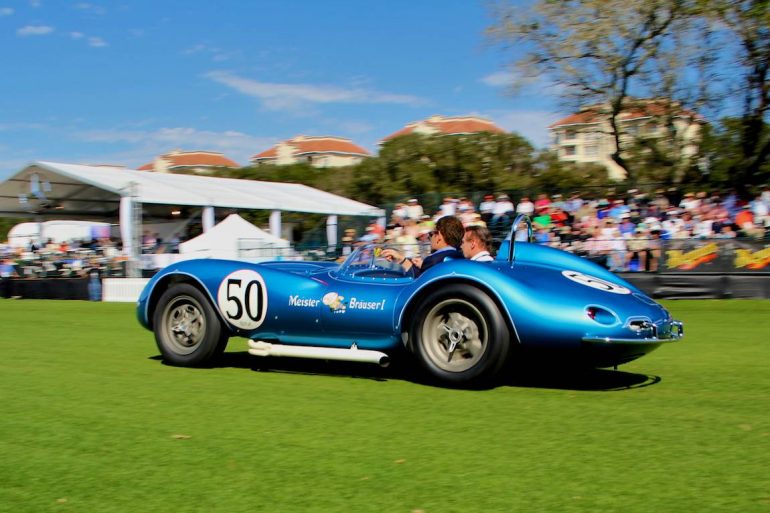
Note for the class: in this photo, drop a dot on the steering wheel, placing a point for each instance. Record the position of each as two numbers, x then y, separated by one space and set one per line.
366 259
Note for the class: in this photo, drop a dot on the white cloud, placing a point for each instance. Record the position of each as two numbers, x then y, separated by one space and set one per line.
216 54
149 143
194 49
222 57
96 42
532 125
277 96
91 8
509 79
6 11
354 127
499 79
34 30
16 126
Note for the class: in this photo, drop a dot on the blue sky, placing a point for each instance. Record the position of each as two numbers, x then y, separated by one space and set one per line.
122 81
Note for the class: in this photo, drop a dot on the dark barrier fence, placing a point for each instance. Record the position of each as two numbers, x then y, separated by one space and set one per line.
689 269
45 288
701 286
659 286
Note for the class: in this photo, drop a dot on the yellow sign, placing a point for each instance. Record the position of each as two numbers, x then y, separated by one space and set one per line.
752 260
692 259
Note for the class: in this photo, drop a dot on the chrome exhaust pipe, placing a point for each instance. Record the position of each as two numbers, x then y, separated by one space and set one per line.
352 354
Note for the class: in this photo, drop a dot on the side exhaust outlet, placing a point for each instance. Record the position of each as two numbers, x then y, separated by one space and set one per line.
352 354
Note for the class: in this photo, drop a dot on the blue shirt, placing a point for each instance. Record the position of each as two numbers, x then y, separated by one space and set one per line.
437 257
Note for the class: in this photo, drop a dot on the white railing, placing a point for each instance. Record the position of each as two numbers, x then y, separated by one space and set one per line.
122 290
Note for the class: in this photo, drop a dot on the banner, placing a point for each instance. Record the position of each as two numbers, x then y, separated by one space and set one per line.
693 255
715 256
751 256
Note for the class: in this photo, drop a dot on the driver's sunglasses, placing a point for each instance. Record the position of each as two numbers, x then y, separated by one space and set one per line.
432 233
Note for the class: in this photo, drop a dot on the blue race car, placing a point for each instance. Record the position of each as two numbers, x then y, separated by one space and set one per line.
461 320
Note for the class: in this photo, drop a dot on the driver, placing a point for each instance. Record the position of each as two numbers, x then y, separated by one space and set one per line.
445 241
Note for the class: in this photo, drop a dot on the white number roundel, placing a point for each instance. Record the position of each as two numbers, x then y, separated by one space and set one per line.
594 282
242 299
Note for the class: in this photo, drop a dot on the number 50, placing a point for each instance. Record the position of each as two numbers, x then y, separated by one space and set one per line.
242 299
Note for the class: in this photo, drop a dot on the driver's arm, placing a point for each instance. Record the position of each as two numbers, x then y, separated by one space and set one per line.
395 256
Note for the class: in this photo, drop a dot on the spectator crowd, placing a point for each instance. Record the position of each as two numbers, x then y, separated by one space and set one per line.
69 259
623 232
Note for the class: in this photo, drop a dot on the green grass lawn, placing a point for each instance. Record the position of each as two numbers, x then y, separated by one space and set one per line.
93 421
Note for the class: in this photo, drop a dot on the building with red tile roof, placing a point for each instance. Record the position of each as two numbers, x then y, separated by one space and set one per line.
318 151
586 136
445 125
199 162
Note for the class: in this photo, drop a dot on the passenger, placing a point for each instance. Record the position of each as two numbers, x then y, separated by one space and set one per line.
476 243
445 241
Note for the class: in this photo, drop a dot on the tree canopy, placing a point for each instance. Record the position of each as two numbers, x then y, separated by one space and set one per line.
687 53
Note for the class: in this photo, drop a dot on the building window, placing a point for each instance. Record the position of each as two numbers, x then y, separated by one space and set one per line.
569 151
570 134
651 128
593 135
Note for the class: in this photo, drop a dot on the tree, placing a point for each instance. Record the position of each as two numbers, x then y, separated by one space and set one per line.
749 23
6 223
417 164
553 175
602 53
723 153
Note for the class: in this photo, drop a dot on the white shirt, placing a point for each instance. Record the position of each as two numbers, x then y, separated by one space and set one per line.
414 211
447 209
487 207
525 207
482 256
502 207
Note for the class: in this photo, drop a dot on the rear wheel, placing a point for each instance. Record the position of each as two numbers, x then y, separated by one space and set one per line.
187 329
459 336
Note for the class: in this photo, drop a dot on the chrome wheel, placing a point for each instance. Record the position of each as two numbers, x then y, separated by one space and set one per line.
459 336
454 335
184 324
187 329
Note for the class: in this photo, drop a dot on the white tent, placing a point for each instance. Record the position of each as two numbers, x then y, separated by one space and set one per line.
48 190
235 238
52 187
23 234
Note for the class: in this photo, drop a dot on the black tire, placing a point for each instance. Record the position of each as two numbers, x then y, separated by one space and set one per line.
459 336
187 329
224 338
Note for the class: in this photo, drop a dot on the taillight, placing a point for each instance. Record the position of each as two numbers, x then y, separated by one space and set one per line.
601 315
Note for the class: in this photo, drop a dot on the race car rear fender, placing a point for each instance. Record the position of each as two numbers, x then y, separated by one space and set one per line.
405 318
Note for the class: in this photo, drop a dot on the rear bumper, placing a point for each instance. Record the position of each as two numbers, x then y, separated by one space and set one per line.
674 334
609 351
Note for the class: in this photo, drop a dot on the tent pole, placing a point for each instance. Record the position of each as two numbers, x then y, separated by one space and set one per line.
208 219
130 229
331 232
275 223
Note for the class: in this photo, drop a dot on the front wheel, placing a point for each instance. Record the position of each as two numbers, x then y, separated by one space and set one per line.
459 335
187 329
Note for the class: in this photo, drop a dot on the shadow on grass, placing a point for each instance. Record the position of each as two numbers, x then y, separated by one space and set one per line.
585 379
404 369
